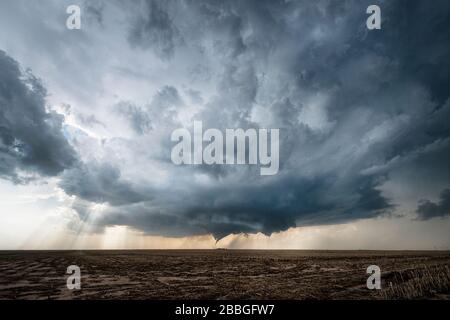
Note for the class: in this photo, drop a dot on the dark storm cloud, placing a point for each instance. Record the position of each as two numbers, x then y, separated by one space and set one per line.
355 108
100 183
385 109
31 139
153 29
429 210
251 208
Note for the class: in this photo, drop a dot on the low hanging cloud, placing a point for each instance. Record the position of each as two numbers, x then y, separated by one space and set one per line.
429 210
99 183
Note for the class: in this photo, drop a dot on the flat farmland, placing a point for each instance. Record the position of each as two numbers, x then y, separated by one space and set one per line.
224 274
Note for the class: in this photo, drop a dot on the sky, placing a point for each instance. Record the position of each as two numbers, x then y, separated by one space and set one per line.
86 118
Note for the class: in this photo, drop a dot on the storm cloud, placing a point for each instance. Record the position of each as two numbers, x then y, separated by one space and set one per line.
31 138
363 115
429 210
99 183
153 29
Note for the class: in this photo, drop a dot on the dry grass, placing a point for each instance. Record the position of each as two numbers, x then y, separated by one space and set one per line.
417 283
224 274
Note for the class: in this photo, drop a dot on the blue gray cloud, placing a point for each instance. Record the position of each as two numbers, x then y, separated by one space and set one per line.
362 114
31 138
429 210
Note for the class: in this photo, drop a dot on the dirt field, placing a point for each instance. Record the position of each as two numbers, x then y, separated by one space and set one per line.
224 274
